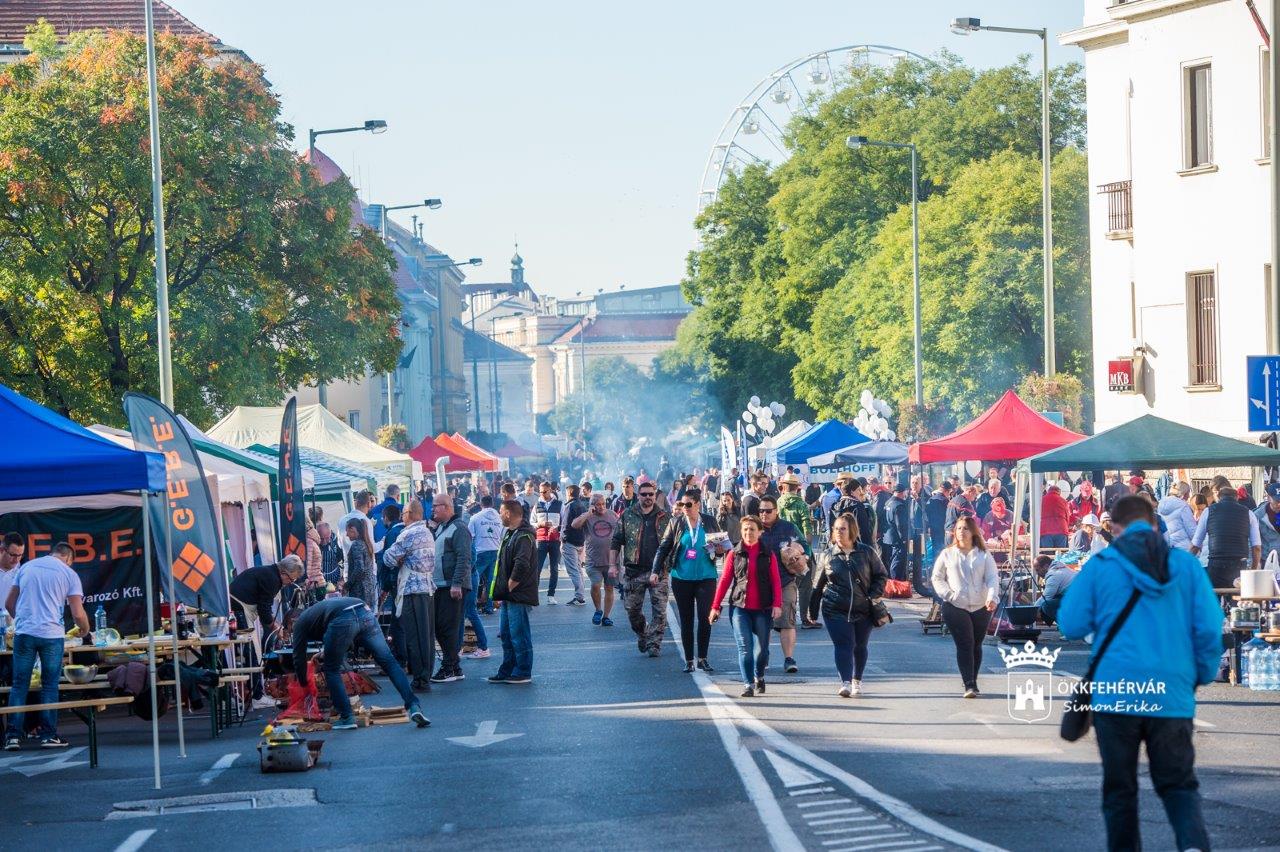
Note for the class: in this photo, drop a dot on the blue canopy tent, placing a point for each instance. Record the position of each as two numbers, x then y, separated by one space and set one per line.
825 437
870 452
50 456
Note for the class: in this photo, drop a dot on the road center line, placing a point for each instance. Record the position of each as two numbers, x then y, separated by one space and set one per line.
223 764
135 841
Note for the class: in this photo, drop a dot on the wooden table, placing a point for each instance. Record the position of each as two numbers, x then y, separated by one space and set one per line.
90 718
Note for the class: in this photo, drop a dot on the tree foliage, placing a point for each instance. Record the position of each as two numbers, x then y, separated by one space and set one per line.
802 284
393 436
1063 393
269 285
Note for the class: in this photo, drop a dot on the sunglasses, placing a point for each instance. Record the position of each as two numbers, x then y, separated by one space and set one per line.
647 493
688 505
768 511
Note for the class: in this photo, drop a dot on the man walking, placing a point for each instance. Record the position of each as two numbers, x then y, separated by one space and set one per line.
413 557
453 571
572 538
759 488
778 534
635 544
1170 644
793 508
1230 532
598 525
546 523
626 499
37 595
515 583
485 527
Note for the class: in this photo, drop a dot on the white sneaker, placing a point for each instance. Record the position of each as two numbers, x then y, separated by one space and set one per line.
856 687
551 601
845 690
266 702
477 654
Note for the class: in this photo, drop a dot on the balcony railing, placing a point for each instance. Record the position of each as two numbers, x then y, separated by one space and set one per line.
1119 206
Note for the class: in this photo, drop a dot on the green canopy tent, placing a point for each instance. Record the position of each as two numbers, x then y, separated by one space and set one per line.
1149 442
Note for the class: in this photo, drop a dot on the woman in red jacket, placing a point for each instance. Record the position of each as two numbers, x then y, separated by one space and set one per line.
1055 519
754 587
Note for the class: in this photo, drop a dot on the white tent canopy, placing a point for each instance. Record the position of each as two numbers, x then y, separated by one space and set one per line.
236 483
761 453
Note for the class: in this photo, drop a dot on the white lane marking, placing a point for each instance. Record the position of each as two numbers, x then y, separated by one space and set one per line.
791 775
38 764
135 841
812 792
836 812
484 735
841 801
1201 723
847 840
223 764
835 820
896 844
851 828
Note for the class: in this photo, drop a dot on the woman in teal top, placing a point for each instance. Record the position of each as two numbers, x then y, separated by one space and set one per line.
686 554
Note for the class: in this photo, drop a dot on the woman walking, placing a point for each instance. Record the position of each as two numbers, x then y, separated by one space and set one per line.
754 588
965 577
691 560
728 518
854 578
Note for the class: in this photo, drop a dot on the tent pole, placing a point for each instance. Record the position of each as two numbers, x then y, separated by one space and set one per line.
151 634
173 628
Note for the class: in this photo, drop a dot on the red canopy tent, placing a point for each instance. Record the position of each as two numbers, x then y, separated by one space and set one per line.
429 451
462 450
474 449
1006 430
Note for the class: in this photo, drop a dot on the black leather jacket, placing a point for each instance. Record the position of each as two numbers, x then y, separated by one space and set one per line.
842 594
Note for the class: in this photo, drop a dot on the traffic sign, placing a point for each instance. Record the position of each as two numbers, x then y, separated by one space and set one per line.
1264 392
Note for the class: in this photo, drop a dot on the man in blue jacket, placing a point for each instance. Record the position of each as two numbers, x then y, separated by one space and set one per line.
1144 688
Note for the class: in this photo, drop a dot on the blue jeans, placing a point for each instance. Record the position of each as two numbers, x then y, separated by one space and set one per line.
1053 540
485 561
470 613
849 638
748 625
348 628
549 551
517 641
25 650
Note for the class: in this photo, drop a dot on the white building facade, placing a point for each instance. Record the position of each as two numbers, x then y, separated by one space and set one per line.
1179 221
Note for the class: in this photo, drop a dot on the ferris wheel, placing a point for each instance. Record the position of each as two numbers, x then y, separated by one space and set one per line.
754 131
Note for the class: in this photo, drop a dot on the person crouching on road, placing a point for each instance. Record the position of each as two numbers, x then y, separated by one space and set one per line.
1169 645
965 577
340 623
855 576
684 552
753 583
515 583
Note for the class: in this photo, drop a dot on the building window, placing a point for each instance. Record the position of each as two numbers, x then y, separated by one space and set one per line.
1202 329
1264 87
1198 130
353 419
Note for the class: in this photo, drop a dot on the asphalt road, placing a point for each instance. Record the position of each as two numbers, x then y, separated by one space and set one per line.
614 749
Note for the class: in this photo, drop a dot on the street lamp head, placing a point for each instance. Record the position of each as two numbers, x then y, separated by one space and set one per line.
375 125
433 203
964 26
856 142
475 261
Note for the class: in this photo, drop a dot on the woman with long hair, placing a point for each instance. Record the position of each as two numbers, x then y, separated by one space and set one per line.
691 560
853 579
965 578
754 587
728 518
362 572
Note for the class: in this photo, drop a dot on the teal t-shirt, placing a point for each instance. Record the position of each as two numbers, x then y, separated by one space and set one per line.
700 567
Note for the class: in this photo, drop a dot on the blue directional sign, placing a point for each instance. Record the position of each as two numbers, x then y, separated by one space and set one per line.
1264 393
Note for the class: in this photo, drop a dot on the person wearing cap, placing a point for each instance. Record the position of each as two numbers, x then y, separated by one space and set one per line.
1268 515
837 491
997 521
1086 502
935 521
1178 516
1232 535
792 507
897 533
1086 539
1114 490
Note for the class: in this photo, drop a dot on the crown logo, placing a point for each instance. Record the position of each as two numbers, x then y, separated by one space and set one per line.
1030 656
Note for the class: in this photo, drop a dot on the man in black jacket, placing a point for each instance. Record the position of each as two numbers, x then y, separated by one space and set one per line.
340 623
897 534
253 592
515 583
935 517
452 571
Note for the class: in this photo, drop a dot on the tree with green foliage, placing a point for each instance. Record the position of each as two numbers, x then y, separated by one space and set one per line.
270 286
802 284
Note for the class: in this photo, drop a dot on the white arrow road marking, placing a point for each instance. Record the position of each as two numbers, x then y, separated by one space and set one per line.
135 841
484 736
223 764
791 775
31 769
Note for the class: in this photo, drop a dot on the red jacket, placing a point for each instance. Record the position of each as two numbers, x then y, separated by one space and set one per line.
1055 514
752 600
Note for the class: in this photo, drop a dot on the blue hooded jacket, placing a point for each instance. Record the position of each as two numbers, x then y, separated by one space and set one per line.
1172 641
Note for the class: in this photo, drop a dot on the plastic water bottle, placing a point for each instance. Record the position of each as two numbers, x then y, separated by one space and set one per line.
1263 670
1272 656
99 626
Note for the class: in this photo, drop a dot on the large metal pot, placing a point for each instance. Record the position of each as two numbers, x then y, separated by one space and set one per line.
209 626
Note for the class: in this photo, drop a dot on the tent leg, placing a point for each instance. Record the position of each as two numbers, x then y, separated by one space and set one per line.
173 628
151 634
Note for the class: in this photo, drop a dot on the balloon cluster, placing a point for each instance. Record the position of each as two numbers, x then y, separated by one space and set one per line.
872 418
760 419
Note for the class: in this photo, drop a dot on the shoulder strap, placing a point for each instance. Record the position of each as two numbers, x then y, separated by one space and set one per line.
1111 634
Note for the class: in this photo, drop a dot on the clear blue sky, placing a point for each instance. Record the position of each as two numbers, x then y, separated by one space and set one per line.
582 127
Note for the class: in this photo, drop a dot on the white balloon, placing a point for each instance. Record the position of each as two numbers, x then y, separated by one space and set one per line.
890 436
973 468
751 429
782 410
775 408
755 401
866 399
746 417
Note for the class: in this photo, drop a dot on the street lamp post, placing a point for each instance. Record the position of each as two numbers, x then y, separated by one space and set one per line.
157 206
856 142
373 125
475 370
430 204
964 26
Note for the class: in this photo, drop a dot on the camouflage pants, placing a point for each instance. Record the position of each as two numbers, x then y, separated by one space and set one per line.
649 633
